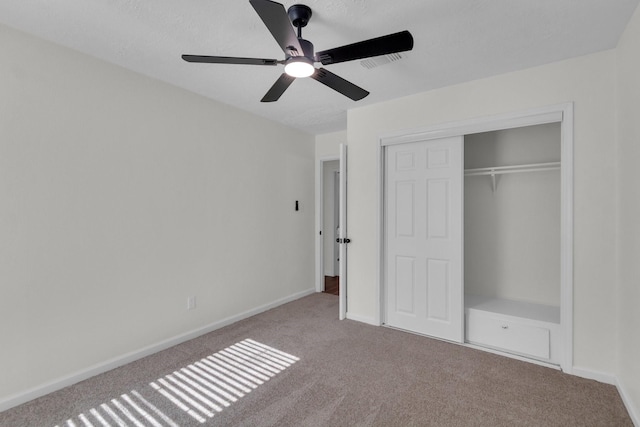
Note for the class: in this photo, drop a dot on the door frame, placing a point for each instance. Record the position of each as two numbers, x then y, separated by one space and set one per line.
562 113
336 220
342 159
320 220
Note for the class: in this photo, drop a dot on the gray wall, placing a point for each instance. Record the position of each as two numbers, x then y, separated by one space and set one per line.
628 193
121 196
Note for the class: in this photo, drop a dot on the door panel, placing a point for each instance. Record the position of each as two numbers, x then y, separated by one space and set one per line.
438 284
423 237
437 209
405 197
406 279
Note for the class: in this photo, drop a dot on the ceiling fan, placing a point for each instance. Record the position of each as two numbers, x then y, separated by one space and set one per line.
299 54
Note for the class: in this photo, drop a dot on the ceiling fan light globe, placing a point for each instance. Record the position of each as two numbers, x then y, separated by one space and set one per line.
299 67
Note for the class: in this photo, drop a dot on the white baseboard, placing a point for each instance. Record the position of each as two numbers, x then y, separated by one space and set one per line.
612 380
595 375
60 383
363 319
634 412
602 377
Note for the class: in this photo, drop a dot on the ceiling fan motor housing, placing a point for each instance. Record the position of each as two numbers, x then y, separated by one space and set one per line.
307 48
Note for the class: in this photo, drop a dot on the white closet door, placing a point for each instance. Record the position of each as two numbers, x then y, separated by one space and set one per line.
423 237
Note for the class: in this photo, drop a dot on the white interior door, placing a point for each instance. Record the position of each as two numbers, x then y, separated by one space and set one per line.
343 232
423 237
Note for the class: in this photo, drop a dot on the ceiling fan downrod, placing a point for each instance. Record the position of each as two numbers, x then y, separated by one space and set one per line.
300 14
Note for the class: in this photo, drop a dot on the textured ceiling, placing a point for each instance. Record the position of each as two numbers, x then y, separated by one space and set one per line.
455 41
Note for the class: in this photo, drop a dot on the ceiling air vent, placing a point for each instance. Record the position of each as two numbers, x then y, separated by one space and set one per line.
380 60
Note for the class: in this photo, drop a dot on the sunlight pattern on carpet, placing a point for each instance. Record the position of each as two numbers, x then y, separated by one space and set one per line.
208 386
126 411
200 390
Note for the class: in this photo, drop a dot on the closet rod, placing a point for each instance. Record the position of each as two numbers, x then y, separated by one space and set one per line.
499 170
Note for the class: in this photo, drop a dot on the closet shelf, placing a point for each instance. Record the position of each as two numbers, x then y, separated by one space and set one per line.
512 308
501 170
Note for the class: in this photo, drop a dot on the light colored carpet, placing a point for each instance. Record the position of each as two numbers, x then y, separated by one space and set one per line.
325 372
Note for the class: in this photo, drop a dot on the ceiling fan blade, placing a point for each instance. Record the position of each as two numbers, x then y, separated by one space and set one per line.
278 88
228 60
392 43
339 84
276 19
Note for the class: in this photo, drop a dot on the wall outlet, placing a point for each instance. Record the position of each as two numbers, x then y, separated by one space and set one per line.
191 303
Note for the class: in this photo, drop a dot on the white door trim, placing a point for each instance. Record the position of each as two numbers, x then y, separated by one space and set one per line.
562 113
537 116
336 220
343 233
566 239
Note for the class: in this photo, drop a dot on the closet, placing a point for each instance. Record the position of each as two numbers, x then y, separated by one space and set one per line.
475 236
512 208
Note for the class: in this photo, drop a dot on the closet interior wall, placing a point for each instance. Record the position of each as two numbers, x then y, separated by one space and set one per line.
512 232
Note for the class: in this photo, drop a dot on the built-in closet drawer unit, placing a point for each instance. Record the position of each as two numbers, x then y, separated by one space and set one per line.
516 327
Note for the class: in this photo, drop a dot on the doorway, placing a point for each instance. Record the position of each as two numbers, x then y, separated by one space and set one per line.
326 178
331 226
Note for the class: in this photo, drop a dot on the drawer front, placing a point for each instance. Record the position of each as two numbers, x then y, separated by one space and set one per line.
509 335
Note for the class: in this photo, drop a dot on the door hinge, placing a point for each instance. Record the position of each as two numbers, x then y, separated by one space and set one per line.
338 240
